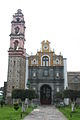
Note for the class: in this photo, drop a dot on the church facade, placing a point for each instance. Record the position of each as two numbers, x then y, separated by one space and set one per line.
47 71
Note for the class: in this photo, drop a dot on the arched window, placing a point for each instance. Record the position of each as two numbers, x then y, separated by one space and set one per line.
45 61
16 45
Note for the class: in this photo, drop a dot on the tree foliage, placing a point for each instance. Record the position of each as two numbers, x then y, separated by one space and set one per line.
19 93
58 97
31 94
72 94
22 94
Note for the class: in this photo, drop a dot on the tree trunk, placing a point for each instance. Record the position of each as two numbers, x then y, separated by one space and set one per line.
23 107
73 104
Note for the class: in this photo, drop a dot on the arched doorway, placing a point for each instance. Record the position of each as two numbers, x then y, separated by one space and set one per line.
45 94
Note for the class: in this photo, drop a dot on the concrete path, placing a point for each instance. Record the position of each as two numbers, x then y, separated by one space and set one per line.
45 113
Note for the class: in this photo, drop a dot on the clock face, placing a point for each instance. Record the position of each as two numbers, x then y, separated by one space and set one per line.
57 61
45 47
17 30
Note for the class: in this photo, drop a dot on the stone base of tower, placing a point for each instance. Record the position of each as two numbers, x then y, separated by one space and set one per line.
9 100
16 75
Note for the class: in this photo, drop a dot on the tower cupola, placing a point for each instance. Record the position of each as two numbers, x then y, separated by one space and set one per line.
17 36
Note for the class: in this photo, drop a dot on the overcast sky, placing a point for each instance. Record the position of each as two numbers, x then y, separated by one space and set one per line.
55 20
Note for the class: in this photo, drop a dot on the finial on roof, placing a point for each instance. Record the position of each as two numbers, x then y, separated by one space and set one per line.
19 11
60 53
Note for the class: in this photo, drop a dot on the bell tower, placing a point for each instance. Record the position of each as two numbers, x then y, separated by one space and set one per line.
16 55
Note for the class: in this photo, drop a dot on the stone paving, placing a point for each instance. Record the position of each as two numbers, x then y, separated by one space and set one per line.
45 113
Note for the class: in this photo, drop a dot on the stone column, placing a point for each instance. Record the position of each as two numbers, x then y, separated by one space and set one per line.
66 101
65 73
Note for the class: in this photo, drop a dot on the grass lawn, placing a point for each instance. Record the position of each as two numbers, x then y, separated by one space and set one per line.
71 116
8 113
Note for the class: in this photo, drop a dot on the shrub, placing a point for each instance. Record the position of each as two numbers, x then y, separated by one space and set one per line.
16 106
2 102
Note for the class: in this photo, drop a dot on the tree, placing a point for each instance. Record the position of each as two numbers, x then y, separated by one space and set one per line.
73 95
20 94
1 102
31 94
23 94
58 97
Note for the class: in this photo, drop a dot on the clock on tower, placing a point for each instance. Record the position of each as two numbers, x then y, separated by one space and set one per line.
45 47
